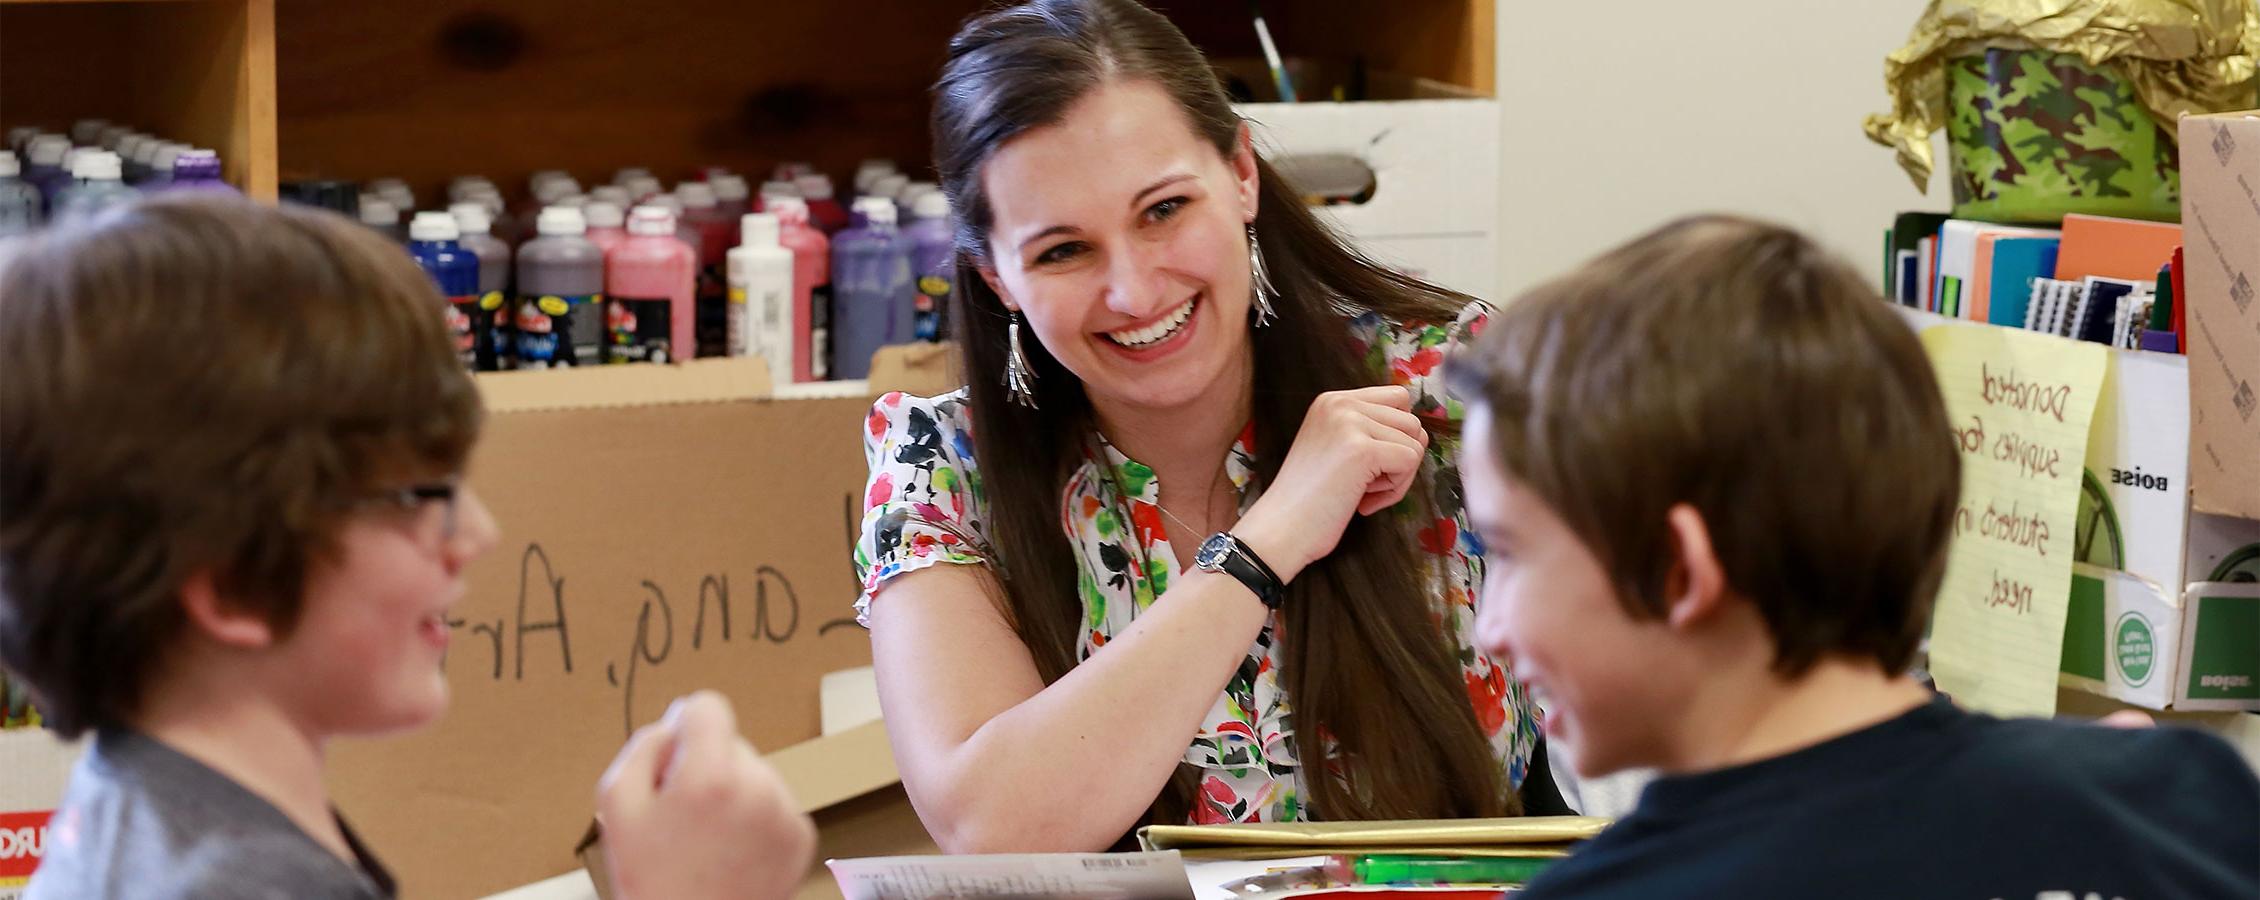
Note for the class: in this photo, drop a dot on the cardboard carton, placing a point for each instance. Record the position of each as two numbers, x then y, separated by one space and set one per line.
665 529
1432 210
34 766
2220 158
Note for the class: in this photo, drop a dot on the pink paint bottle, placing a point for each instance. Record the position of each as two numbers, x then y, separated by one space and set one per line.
650 281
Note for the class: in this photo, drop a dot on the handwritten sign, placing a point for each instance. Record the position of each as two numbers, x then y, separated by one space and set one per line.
2019 404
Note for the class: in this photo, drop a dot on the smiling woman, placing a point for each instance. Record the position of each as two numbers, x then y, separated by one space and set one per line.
1168 353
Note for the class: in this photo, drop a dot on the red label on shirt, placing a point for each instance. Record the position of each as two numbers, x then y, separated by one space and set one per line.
23 842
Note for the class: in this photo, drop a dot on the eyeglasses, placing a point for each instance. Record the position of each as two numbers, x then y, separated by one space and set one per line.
414 498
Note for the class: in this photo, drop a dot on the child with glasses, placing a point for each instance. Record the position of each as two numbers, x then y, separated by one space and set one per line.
232 524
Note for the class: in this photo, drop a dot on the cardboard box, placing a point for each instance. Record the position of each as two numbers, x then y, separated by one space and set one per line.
2198 650
665 529
2220 159
1433 209
34 768
848 783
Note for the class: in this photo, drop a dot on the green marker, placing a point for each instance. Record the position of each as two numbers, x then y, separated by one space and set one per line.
1425 870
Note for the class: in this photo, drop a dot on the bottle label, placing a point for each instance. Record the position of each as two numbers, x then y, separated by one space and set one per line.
546 331
820 333
931 305
638 330
462 316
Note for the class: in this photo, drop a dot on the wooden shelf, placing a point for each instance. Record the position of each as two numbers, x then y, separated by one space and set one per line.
429 89
201 71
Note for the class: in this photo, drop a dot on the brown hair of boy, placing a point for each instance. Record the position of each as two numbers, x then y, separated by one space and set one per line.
1735 366
198 384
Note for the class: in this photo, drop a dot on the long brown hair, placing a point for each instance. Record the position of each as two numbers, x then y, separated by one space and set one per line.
1365 662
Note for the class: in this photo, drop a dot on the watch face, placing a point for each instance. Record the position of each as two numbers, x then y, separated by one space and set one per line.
1212 552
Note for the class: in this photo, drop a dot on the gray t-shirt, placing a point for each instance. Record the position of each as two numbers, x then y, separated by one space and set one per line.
142 821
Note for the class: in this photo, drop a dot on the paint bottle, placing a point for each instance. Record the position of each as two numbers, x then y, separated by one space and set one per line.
395 192
711 234
381 216
474 222
761 297
872 303
812 290
607 224
731 195
933 261
650 281
43 167
435 242
869 171
824 209
560 306
98 185
19 201
199 170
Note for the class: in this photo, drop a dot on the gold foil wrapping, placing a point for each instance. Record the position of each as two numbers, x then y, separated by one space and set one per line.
2181 56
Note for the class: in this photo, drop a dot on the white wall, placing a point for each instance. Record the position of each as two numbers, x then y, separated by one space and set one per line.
1617 117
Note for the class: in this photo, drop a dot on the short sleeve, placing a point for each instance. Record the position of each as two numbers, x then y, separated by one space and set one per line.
923 503
1413 354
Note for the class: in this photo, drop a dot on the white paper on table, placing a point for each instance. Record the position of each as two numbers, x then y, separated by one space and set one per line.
1058 876
1210 875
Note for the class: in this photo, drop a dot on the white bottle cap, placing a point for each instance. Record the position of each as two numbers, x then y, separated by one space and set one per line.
395 191
166 155
878 210
778 189
789 210
871 170
787 171
815 187
642 186
613 194
917 187
630 173
471 217
433 226
99 165
22 134
535 180
457 189
487 195
384 185
695 195
560 221
729 188
889 187
130 144
87 131
758 229
378 211
652 219
932 205
575 201
10 167
112 135
549 190
48 150
602 214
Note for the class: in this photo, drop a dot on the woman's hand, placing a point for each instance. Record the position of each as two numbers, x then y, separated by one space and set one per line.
1357 453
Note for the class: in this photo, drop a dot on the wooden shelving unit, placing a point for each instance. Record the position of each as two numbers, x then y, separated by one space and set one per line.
429 89
201 71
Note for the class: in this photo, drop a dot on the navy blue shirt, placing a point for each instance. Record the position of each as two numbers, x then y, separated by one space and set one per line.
1944 805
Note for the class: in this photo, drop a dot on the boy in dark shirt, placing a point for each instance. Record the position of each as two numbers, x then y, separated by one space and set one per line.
232 522
1713 476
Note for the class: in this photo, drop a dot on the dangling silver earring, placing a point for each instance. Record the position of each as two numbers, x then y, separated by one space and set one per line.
1019 376
1259 277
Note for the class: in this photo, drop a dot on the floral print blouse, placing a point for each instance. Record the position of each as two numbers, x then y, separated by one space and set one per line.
926 506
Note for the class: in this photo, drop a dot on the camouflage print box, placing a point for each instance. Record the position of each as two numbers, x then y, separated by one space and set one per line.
2035 135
